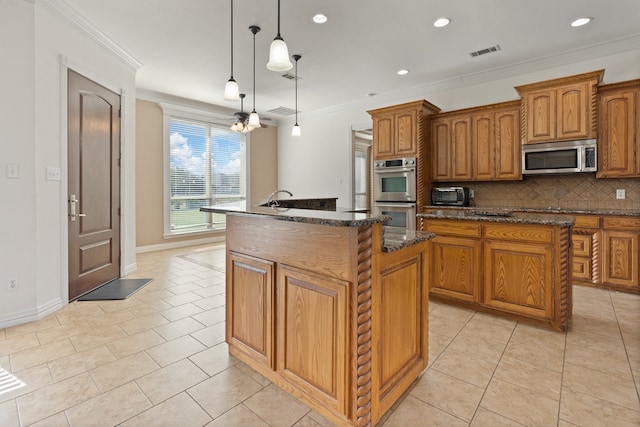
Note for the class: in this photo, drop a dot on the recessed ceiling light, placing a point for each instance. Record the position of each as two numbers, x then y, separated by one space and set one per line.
581 21
319 18
403 72
441 22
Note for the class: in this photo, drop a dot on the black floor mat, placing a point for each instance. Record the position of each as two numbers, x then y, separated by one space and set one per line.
115 290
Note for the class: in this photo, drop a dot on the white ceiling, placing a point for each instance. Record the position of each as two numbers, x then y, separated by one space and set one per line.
184 45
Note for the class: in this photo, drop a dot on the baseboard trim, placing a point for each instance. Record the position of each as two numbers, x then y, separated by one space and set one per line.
26 316
181 244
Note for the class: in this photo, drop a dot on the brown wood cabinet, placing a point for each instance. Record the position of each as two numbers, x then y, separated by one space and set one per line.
454 260
398 131
325 314
621 244
560 109
619 130
587 242
477 144
521 270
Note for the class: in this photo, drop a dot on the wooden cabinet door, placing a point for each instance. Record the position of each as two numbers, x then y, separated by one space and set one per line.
461 148
541 116
518 278
508 151
406 134
313 332
621 258
455 268
250 325
383 137
401 310
573 111
483 147
440 153
617 146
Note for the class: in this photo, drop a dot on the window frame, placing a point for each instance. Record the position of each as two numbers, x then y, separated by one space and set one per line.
205 117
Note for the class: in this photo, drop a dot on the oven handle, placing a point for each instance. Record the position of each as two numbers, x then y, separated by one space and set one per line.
395 205
394 170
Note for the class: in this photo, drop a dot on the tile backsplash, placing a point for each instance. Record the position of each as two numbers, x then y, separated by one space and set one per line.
579 191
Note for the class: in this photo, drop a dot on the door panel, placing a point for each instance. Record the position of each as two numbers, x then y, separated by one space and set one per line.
94 182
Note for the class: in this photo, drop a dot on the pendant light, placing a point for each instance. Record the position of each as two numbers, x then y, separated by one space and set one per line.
241 118
279 53
296 128
254 118
231 89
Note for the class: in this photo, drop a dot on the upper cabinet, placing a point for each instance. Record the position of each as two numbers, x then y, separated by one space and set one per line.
561 109
618 130
477 144
398 131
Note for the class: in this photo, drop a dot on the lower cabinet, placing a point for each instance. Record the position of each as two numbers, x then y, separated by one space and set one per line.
518 269
312 334
454 259
621 241
518 278
250 300
606 252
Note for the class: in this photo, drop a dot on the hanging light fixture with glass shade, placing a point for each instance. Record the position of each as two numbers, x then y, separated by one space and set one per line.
231 89
278 52
296 128
254 118
241 124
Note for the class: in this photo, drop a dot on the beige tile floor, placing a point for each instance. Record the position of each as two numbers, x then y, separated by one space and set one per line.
159 358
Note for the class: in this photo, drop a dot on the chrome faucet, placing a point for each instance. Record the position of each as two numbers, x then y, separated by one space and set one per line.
271 202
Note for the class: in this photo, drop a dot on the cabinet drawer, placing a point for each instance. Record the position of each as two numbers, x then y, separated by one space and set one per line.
453 228
517 233
582 245
621 222
582 268
587 221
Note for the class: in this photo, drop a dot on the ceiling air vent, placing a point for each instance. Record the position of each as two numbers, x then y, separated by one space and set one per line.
485 51
283 111
290 76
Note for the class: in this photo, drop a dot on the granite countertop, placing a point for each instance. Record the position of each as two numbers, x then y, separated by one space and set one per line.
562 211
394 238
338 218
510 216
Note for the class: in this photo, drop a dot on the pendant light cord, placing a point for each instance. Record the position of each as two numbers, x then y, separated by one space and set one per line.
232 39
278 19
296 90
254 70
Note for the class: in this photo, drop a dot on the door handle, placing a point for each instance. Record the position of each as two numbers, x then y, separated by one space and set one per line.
73 202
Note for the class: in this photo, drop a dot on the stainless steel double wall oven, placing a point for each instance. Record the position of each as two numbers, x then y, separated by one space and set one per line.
395 191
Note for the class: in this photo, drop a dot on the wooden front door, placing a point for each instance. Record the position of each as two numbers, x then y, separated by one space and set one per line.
94 185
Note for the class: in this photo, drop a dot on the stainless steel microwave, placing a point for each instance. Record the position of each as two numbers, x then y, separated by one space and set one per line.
560 157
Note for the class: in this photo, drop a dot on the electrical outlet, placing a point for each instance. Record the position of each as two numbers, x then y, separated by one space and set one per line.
471 193
13 171
621 194
13 283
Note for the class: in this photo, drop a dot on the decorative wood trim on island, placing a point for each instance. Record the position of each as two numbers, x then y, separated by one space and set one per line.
330 306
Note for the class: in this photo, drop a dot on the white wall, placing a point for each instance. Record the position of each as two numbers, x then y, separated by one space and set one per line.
39 43
311 165
17 108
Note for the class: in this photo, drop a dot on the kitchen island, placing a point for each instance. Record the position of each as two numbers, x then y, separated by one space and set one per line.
331 306
516 264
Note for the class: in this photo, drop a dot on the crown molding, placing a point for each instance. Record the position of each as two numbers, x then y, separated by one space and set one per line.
624 44
64 11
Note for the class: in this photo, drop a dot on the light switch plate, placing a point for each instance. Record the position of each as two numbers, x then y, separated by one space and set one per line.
621 194
53 173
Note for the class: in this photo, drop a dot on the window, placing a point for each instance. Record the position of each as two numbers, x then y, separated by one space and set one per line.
206 166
